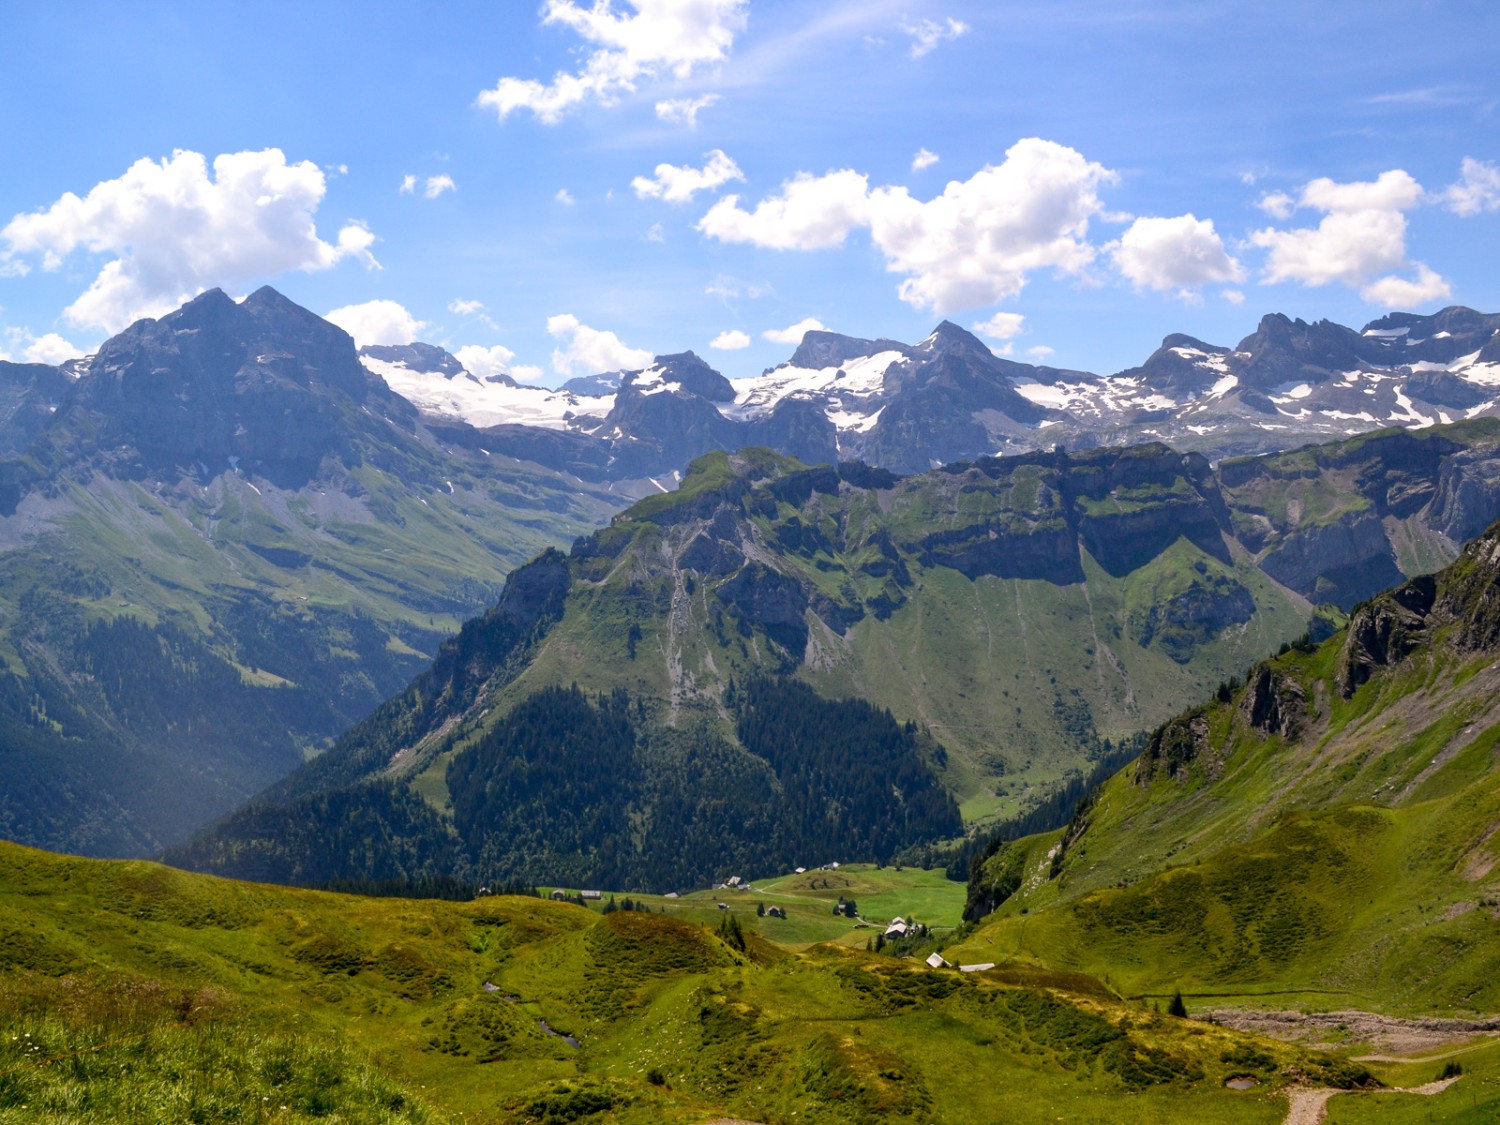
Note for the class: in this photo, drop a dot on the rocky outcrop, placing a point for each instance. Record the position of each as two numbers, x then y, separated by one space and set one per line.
1274 703
1194 616
1173 748
769 600
1385 631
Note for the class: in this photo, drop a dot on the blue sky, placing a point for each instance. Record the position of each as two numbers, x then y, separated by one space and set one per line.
559 188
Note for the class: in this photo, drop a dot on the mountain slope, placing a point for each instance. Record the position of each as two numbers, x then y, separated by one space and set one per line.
960 600
1329 827
226 543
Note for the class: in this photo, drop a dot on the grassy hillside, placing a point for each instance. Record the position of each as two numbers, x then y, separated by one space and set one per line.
132 991
1324 835
168 650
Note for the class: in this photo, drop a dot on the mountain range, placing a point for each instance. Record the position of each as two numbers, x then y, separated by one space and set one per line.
227 537
951 398
671 700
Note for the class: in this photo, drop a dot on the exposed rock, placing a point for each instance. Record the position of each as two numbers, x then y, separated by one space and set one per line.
1274 704
1385 631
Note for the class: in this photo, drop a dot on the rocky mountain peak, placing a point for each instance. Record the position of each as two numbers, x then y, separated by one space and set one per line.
691 373
428 359
264 383
820 349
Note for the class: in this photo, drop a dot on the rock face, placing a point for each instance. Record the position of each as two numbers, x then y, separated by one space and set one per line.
264 385
29 395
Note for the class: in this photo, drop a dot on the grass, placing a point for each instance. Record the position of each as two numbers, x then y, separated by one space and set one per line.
1354 865
132 992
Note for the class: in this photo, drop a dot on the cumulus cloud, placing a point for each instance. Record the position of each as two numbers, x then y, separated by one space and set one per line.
589 351
1477 189
927 34
408 184
1277 204
924 159
731 341
659 38
174 229
973 245
1362 234
1179 254
1399 293
378 322
50 349
684 111
793 333
485 362
1001 326
565 197
811 213
465 308
1234 296
679 184
1041 351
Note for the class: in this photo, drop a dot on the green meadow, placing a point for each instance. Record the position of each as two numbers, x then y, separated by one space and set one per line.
130 991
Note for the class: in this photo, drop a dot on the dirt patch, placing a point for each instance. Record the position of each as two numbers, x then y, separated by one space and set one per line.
1342 1029
1308 1106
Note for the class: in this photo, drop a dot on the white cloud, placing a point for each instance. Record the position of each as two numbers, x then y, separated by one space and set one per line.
679 184
811 213
1041 351
484 362
465 308
589 351
565 197
684 111
378 322
526 373
1277 204
793 334
927 34
661 37
408 184
1181 253
655 233
436 185
731 341
924 159
973 245
1001 326
1362 234
1477 189
1399 293
50 349
175 229
1233 296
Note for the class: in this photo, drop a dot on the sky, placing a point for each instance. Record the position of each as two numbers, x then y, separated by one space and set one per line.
562 188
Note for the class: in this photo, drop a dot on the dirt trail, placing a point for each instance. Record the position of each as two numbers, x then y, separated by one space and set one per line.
1309 1106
